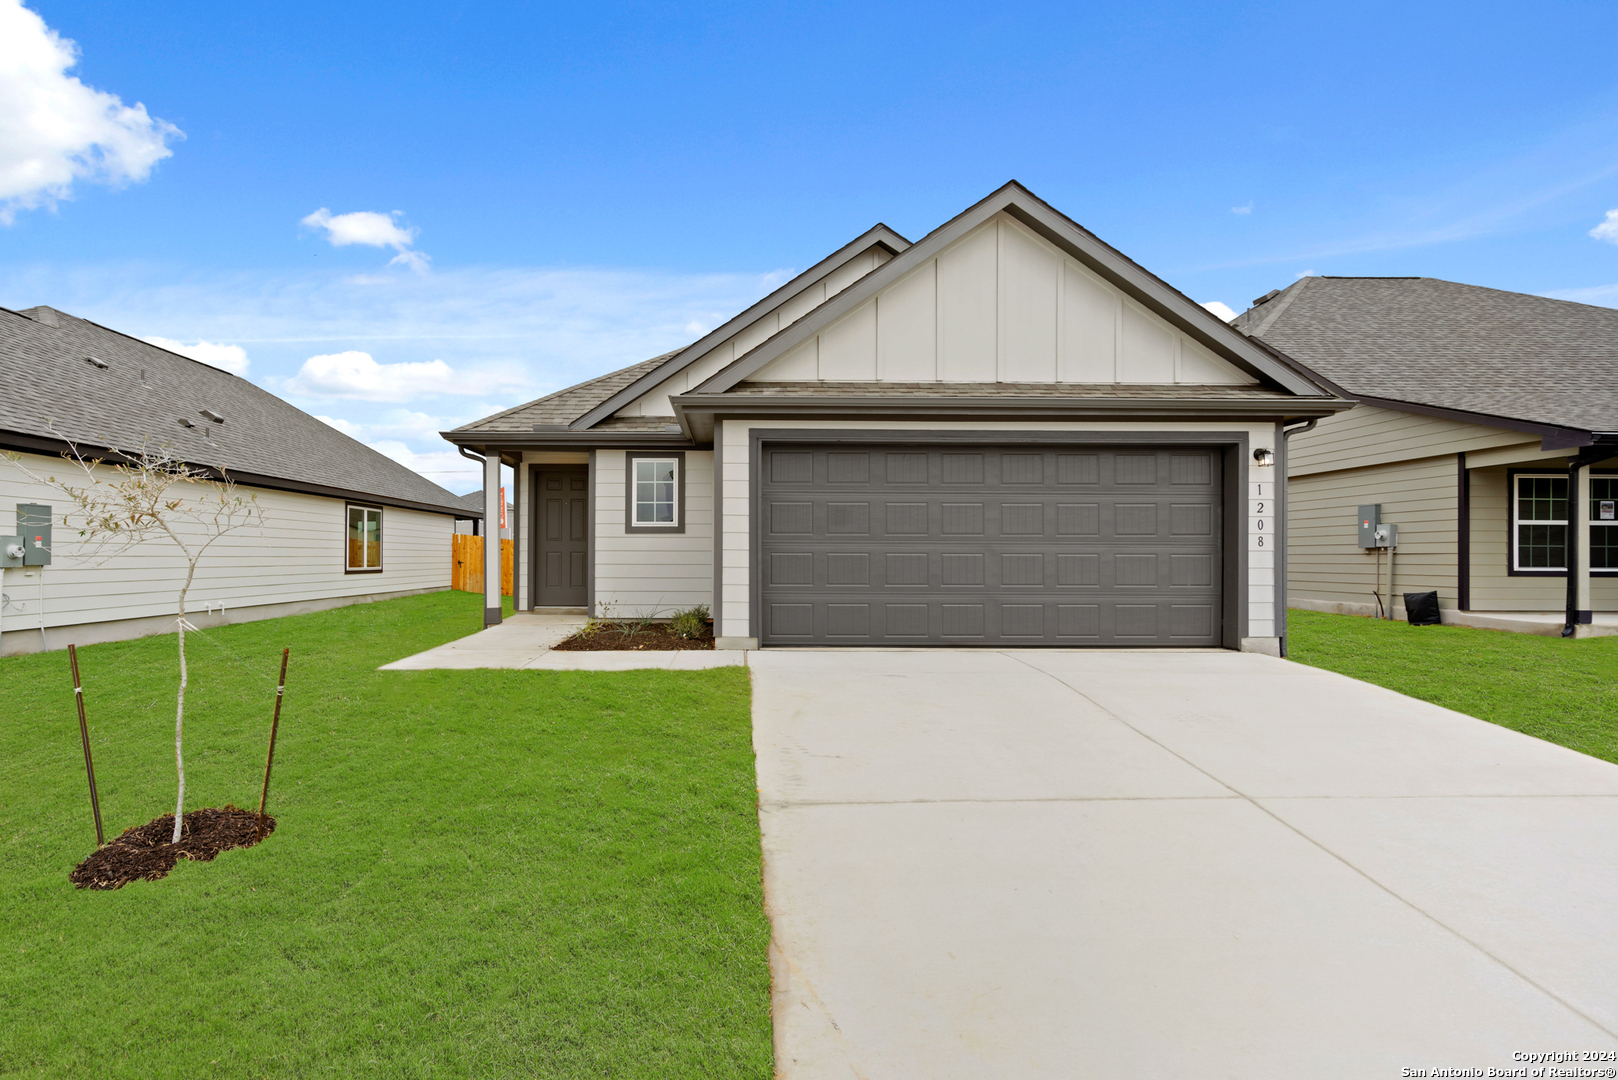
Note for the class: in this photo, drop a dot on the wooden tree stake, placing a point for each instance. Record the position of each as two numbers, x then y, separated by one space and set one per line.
84 737
275 723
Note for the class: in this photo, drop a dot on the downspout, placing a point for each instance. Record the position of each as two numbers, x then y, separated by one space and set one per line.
477 529
1283 467
1575 505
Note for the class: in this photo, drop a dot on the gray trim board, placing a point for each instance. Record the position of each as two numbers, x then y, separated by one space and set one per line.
590 542
877 235
717 607
630 458
1463 531
1084 246
1233 615
1281 496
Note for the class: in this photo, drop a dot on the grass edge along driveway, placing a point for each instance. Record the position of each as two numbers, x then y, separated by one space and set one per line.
1556 689
476 873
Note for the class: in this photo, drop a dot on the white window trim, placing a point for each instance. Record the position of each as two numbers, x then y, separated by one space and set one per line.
1512 495
348 567
632 486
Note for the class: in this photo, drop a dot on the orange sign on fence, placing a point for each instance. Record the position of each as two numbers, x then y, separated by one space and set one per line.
467 575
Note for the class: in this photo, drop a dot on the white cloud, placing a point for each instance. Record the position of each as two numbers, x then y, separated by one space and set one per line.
445 467
1306 273
1248 209
1608 229
355 374
404 424
1220 309
352 430
371 229
55 130
231 358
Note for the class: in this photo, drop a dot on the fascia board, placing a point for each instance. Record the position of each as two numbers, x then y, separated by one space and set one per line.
572 440
877 235
729 405
1556 436
1073 239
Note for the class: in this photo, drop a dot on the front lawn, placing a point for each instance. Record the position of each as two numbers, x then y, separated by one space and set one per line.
1563 691
475 873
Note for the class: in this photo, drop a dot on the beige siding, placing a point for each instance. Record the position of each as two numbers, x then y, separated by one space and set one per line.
297 556
1493 587
650 574
1001 305
1365 436
1325 564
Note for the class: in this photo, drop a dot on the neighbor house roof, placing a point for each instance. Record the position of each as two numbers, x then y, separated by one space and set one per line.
1442 344
134 393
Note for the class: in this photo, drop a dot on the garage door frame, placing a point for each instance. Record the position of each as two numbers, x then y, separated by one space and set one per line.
1234 460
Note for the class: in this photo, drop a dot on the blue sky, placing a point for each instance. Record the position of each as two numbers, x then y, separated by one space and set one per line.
556 190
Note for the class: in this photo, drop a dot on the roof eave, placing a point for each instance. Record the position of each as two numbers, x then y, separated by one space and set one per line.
699 411
13 440
877 235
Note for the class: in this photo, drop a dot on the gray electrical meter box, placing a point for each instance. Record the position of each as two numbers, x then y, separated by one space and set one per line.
11 551
1370 518
34 523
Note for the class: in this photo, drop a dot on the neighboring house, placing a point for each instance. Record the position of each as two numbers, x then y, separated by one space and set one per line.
1477 407
1004 434
341 522
474 526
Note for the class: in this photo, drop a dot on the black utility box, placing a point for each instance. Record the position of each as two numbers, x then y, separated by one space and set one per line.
1421 608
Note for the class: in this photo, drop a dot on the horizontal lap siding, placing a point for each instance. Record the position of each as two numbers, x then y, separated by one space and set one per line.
1365 436
647 573
1325 563
297 555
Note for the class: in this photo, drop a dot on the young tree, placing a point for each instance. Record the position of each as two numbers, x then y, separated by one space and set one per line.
129 497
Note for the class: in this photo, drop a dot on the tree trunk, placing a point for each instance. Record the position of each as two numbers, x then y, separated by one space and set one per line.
179 712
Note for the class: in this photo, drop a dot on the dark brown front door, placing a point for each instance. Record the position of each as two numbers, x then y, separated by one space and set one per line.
562 558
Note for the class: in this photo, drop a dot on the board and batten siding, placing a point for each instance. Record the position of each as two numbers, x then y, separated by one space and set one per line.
1366 435
651 574
1001 305
736 527
294 562
1328 570
655 402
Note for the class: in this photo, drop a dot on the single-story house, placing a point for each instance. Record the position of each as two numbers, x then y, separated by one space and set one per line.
1004 434
473 526
1479 412
341 523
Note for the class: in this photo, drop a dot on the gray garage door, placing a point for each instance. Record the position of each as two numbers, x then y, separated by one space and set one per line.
1014 545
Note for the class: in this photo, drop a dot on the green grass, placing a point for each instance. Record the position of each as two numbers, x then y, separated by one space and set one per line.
1559 690
476 874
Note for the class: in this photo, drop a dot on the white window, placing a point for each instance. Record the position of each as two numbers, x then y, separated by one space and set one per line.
1539 515
656 495
364 539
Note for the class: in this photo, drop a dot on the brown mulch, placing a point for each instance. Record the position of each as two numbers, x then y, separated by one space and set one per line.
654 638
145 854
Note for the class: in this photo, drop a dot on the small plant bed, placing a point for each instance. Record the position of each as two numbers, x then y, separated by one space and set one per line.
616 637
145 853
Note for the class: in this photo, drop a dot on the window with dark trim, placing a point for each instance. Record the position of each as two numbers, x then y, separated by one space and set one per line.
654 492
364 539
1539 520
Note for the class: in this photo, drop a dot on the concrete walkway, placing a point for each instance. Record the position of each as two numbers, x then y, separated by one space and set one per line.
524 641
1189 864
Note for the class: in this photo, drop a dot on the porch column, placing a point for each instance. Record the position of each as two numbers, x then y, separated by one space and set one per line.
491 538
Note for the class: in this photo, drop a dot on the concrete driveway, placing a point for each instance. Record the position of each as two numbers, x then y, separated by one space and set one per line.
1166 865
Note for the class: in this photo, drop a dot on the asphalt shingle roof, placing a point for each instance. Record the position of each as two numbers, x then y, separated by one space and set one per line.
1441 343
565 406
52 391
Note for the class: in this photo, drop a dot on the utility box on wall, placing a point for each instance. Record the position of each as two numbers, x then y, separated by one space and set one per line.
34 525
1370 518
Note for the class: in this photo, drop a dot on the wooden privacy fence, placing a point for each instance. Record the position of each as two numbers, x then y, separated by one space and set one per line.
467 576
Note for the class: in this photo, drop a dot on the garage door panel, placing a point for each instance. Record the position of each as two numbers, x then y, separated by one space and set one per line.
945 545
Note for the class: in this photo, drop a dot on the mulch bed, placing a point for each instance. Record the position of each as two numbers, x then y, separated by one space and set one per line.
654 638
145 854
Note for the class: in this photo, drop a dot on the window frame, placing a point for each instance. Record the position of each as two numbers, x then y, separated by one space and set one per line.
631 457
381 534
1512 476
